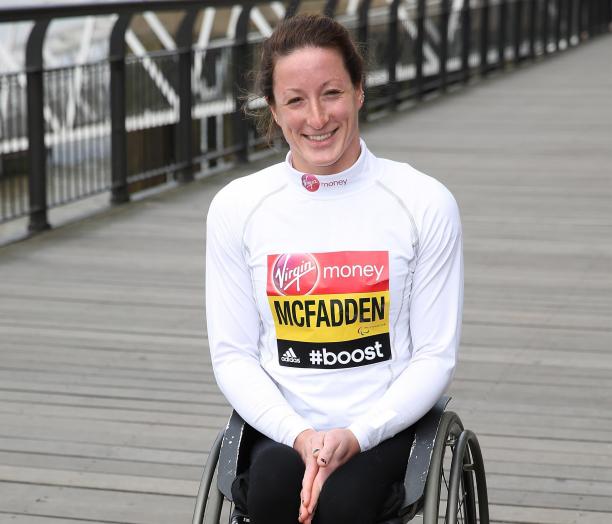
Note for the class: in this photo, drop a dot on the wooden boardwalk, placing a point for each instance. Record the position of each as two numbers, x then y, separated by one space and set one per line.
107 400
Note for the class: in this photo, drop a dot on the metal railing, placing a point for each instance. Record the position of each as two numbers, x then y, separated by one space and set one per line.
145 118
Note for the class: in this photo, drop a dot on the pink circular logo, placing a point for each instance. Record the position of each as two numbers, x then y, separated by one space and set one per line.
310 182
295 273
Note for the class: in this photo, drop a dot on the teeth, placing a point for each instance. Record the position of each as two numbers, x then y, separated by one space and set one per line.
319 138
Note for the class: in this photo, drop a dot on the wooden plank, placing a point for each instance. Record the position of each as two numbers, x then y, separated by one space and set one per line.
113 506
121 403
99 481
534 515
549 499
109 432
515 463
13 518
41 446
94 464
197 419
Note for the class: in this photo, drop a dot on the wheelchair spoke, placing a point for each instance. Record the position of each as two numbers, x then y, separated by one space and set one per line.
462 514
461 517
451 496
461 511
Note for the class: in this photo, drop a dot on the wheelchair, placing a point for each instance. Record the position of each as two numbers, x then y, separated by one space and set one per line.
444 481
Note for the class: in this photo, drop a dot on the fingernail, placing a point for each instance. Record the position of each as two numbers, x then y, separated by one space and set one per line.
324 461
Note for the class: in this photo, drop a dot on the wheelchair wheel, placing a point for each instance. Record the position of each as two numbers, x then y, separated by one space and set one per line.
456 491
209 502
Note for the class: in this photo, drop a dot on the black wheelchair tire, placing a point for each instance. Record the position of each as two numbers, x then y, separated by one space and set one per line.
209 499
445 501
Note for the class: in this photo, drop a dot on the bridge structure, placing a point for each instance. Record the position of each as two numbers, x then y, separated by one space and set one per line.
114 98
108 404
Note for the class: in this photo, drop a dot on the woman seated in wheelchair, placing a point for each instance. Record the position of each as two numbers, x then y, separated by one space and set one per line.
334 294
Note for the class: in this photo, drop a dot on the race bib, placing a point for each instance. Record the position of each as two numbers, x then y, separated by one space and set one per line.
330 310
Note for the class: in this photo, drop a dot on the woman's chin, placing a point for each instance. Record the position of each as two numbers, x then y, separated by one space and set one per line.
320 166
317 160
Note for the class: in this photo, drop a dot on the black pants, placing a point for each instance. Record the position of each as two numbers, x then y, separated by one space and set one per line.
365 490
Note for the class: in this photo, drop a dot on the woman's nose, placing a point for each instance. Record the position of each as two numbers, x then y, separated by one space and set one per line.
317 117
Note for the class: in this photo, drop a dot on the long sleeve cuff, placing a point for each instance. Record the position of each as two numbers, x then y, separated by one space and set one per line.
362 434
297 425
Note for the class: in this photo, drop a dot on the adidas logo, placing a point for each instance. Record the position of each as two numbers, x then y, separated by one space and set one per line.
290 356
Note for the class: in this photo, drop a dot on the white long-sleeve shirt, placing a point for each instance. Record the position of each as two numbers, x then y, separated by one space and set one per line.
334 301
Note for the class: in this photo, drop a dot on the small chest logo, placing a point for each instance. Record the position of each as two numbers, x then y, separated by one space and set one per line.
310 182
289 356
295 274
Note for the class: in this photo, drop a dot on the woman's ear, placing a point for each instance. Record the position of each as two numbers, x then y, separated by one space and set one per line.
360 95
274 115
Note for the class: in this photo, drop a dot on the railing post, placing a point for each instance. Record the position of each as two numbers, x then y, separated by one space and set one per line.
569 20
558 25
37 153
362 38
518 30
210 77
598 17
392 54
241 67
588 18
601 17
119 185
580 19
466 33
484 38
418 51
545 27
592 18
330 8
501 44
533 10
184 126
292 8
444 15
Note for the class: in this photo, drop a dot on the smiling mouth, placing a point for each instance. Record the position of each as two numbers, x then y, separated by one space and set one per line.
320 138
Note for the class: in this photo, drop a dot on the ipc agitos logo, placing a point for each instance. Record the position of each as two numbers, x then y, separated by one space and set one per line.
310 182
295 274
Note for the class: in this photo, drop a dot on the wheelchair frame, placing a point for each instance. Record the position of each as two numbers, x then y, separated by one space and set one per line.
444 458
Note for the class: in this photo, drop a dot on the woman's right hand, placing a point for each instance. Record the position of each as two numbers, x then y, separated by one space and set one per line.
322 453
307 444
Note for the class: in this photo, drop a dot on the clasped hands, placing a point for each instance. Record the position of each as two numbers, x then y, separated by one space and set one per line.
322 452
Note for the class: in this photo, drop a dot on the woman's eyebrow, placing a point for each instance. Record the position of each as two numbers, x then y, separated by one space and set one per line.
299 90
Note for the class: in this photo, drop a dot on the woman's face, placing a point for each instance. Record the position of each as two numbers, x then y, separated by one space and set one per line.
317 106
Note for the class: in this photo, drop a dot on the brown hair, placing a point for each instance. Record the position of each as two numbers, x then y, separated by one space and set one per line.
304 30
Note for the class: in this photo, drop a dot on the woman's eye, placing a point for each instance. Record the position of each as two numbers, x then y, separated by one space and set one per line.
293 101
333 92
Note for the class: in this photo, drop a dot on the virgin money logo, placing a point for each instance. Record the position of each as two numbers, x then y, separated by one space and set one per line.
310 182
295 273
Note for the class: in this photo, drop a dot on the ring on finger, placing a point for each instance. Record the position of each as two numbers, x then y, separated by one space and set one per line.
315 451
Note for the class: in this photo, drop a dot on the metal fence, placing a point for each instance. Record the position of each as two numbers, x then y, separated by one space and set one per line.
146 118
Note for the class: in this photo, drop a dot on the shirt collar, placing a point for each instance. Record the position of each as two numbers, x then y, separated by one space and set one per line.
352 179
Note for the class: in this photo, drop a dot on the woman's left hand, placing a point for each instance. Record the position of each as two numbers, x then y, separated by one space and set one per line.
339 445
